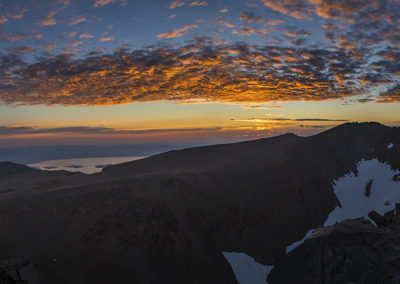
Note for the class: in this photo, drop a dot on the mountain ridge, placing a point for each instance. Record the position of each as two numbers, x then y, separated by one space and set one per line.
184 207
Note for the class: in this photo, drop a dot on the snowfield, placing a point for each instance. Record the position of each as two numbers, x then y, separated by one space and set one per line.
372 188
351 190
246 269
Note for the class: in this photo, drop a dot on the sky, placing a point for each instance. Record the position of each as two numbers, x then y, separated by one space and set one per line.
184 72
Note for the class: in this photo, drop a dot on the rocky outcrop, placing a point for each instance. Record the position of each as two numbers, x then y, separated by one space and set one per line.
17 270
352 251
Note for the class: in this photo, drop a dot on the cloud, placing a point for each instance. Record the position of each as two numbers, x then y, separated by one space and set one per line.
266 120
48 20
70 50
248 31
106 38
86 36
200 71
21 36
23 49
50 46
293 32
32 130
71 34
224 10
261 107
3 20
226 24
19 14
391 95
295 8
176 4
251 17
177 32
101 3
274 22
198 4
74 43
77 21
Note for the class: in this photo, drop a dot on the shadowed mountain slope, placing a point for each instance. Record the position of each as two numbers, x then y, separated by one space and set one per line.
169 216
8 169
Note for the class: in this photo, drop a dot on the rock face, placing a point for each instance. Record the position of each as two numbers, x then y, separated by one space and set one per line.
166 219
17 270
353 251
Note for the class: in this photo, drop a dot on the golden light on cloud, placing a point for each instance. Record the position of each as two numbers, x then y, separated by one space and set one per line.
178 32
225 73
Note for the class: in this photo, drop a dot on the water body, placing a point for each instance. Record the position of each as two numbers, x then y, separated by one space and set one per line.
84 165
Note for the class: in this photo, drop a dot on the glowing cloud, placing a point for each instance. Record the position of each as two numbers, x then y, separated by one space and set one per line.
178 32
48 20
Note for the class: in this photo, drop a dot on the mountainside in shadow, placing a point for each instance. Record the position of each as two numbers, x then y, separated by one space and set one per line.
169 217
352 251
8 169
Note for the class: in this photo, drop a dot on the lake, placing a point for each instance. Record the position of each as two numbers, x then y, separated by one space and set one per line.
84 165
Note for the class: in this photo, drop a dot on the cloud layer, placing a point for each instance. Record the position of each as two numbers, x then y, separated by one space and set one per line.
294 50
201 71
31 130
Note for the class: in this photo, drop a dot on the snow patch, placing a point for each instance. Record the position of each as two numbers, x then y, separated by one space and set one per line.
350 190
390 146
373 188
294 245
246 269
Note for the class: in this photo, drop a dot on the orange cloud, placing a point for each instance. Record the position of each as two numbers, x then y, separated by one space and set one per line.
101 3
3 20
176 4
106 38
198 4
86 36
76 21
48 20
178 32
20 36
202 71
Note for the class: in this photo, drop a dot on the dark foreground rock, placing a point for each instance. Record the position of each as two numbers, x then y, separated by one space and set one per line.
17 270
353 251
